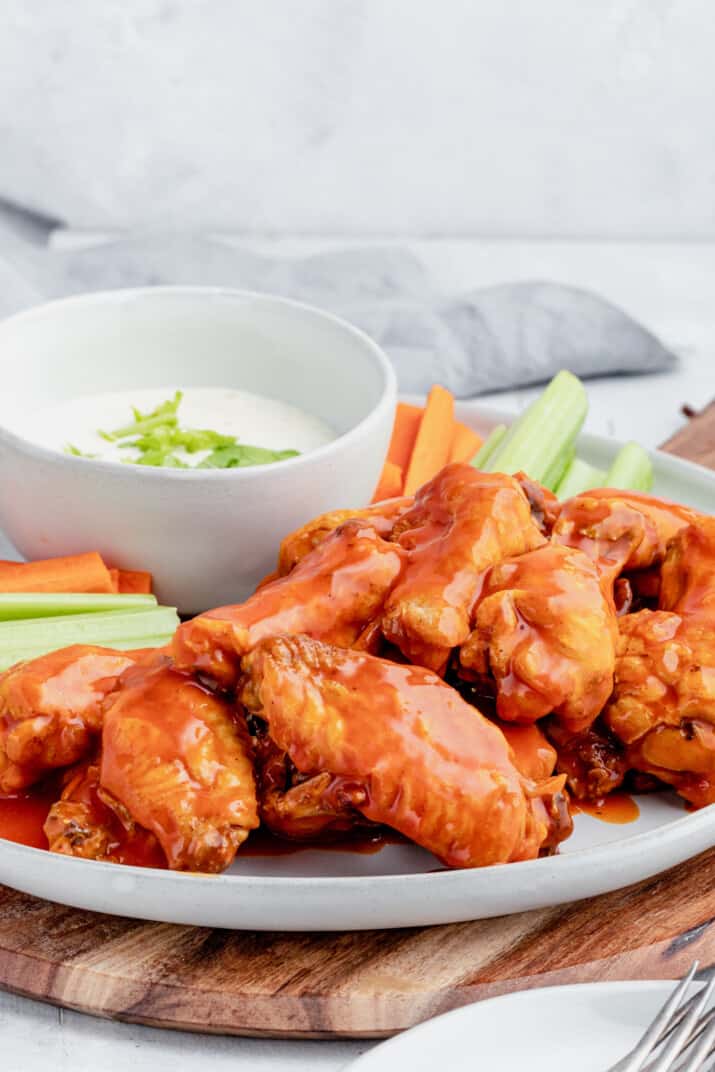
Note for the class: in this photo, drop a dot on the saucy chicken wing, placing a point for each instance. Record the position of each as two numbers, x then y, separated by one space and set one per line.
177 761
381 516
663 704
545 635
462 522
621 530
81 824
301 807
403 747
51 710
332 594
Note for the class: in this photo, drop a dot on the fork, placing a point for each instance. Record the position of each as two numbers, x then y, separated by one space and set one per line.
681 1038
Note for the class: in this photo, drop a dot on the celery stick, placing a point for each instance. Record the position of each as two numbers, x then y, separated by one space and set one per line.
103 628
30 605
558 467
580 476
489 445
159 641
545 432
631 469
10 656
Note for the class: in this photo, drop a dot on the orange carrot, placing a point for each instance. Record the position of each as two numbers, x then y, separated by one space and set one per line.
72 573
434 440
404 433
137 581
114 574
390 484
465 444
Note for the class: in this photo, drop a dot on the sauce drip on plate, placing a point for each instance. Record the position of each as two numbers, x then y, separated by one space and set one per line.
616 808
22 817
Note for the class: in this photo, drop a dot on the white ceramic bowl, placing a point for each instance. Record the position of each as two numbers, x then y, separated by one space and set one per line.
208 535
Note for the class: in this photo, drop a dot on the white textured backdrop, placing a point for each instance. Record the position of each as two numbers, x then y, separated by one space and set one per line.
462 117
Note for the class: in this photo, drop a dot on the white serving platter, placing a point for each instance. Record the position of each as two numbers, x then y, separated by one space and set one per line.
400 886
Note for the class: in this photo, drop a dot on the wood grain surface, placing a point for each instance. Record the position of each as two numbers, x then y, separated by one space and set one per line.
362 984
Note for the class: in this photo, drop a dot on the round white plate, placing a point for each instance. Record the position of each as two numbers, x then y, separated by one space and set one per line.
586 1027
401 886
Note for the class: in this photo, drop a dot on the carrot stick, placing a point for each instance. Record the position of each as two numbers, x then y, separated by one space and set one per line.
114 574
465 444
137 581
72 573
434 440
404 433
390 483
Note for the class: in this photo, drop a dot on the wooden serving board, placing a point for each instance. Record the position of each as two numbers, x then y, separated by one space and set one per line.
361 984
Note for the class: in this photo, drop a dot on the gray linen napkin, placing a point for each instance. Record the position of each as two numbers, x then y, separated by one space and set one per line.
485 340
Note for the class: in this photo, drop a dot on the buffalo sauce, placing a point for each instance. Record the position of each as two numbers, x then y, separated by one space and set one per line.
534 757
22 817
262 843
619 808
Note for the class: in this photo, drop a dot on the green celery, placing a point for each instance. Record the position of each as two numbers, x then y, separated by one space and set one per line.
10 656
631 469
158 641
558 468
580 476
156 436
102 627
161 415
240 455
33 605
70 448
545 432
489 445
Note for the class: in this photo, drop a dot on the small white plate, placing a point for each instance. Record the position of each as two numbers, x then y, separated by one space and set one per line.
401 886
586 1027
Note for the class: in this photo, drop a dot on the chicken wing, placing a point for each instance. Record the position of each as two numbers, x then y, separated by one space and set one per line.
300 807
663 704
51 710
593 760
332 594
621 530
545 635
404 747
462 522
177 760
81 824
381 516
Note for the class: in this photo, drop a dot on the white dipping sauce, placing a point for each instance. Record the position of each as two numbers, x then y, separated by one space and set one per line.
253 419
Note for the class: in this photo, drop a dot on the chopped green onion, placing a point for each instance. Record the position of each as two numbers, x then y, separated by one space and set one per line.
33 605
489 445
631 469
579 477
545 433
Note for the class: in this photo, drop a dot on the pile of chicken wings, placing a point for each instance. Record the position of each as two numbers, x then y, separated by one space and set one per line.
457 666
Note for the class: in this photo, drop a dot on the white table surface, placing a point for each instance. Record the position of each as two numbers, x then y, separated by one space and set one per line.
671 288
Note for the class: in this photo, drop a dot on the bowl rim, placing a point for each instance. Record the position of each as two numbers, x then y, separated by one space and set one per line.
386 401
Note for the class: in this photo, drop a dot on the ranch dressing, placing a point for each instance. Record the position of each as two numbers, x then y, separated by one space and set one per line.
253 419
